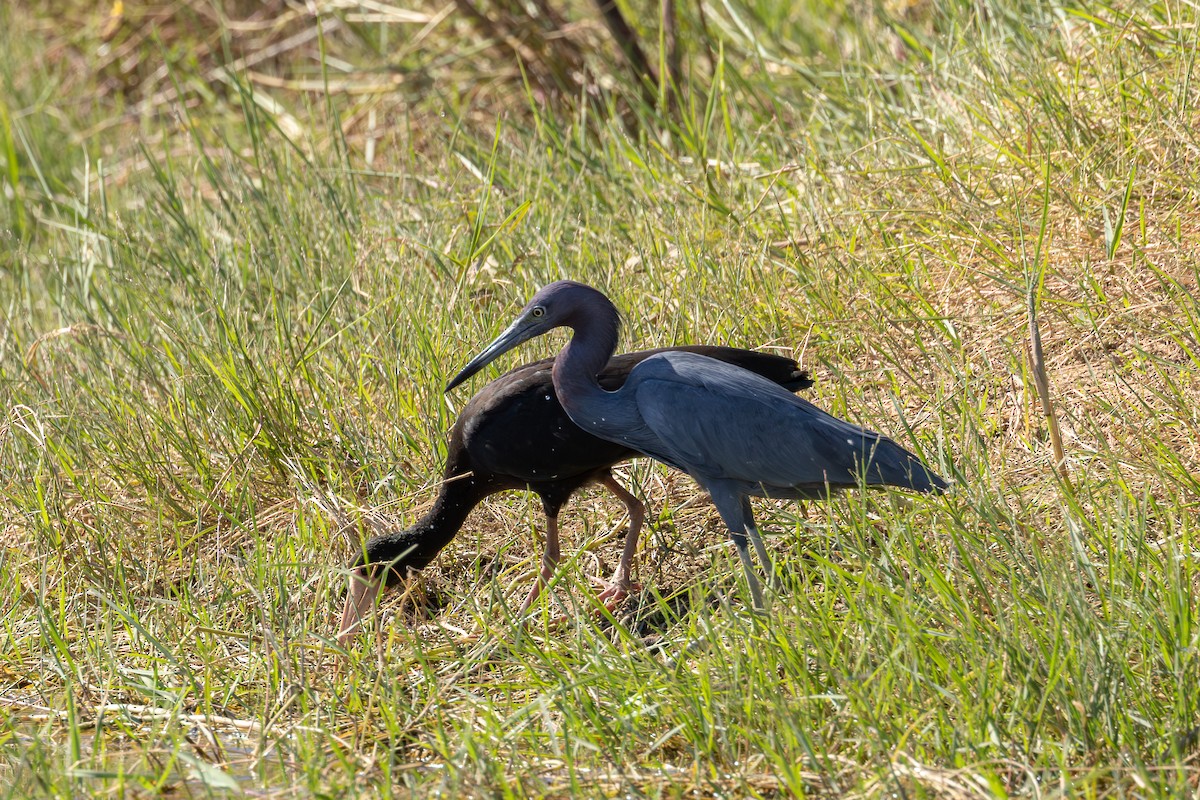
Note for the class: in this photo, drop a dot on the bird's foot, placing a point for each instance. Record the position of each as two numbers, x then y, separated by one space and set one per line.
613 592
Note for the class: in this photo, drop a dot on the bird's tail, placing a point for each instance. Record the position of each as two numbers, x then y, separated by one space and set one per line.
891 464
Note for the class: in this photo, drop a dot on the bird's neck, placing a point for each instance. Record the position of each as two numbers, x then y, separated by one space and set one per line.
455 499
418 545
576 369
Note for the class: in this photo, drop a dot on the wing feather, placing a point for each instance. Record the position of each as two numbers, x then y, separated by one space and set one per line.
728 424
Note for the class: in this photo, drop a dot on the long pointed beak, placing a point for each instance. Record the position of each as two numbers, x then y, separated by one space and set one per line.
360 597
519 331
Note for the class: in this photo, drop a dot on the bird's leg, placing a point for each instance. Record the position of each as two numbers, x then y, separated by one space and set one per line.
549 562
618 587
734 509
763 556
739 541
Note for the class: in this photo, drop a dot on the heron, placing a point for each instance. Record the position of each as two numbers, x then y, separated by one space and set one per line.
737 434
514 434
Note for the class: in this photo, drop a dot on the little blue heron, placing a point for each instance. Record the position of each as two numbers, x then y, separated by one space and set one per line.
735 433
514 434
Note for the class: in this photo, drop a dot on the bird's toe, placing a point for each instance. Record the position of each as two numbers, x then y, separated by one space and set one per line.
613 592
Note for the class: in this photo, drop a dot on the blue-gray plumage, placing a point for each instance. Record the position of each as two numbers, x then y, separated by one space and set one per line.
736 433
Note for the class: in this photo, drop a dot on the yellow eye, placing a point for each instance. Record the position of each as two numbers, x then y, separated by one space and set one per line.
538 311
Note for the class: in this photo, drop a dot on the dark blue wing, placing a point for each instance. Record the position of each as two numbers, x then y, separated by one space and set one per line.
724 423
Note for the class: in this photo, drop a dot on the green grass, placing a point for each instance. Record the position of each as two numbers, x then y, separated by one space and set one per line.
214 323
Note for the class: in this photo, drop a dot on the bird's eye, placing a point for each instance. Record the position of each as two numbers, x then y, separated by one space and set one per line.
538 311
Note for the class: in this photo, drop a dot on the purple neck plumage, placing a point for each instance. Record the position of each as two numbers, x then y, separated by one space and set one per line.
594 324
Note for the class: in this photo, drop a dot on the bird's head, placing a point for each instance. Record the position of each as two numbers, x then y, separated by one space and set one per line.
385 561
562 303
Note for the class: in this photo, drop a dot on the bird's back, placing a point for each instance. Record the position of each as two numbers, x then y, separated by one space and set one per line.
773 368
721 423
515 431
